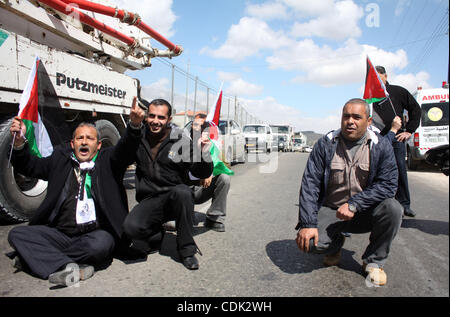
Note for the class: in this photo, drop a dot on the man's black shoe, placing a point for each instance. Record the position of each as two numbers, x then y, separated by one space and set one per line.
216 226
190 262
409 212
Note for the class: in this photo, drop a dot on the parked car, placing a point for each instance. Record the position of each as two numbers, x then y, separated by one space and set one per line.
231 141
307 149
258 137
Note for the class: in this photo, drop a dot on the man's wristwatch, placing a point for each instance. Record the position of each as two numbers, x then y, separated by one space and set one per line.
352 208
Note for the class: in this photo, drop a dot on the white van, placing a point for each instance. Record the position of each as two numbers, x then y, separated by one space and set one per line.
258 137
433 129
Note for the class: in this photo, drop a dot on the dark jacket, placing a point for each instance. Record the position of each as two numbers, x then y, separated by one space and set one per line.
174 161
381 184
107 180
401 100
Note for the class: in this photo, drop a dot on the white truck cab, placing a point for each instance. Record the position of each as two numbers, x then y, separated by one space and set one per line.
258 137
433 130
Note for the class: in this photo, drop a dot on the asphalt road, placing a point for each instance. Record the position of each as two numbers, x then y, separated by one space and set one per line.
257 255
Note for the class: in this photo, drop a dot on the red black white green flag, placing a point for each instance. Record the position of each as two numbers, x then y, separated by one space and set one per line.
213 118
37 135
374 90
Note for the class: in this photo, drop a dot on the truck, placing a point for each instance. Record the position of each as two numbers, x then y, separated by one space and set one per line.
433 130
283 133
81 77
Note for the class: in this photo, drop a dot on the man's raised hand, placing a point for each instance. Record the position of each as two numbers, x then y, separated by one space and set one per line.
137 114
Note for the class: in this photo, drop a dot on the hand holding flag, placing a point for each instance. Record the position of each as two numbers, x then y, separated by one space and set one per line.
18 131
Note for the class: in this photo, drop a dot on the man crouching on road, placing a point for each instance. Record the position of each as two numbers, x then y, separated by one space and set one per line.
164 159
349 185
79 223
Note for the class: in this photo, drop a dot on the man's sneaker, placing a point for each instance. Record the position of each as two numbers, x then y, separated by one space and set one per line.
409 212
71 274
332 259
376 274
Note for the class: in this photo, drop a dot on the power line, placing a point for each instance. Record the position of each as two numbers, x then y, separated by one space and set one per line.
427 49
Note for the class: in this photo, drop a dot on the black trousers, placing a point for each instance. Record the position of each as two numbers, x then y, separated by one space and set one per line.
146 218
402 194
45 250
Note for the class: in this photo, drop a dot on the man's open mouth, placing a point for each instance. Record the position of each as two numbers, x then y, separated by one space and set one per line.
84 150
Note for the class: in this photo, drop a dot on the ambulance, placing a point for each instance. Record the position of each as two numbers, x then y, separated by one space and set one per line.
433 129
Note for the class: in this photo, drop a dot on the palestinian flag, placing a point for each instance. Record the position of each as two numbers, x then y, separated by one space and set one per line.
213 119
374 90
37 136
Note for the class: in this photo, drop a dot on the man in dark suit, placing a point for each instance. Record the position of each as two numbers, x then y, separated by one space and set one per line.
384 113
79 224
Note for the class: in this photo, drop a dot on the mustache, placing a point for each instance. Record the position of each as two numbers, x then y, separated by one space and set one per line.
83 147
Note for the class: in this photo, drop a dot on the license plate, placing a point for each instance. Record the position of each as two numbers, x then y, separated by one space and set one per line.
436 140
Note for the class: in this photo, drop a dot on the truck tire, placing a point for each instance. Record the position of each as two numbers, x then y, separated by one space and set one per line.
109 135
20 196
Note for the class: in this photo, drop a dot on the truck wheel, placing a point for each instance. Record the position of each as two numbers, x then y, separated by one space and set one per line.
109 135
20 196
412 164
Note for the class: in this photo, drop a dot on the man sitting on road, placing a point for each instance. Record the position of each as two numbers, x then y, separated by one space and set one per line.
349 185
214 187
79 224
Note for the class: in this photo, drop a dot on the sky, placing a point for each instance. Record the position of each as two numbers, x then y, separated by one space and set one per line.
294 61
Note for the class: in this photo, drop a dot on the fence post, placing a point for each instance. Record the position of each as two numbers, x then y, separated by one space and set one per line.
187 90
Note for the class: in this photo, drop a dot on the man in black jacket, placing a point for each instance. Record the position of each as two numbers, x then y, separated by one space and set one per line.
383 115
165 158
79 223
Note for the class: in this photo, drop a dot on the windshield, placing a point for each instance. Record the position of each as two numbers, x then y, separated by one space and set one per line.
223 125
282 138
278 129
297 141
434 114
254 129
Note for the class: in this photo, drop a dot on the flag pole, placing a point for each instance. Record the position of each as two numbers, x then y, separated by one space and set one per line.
10 152
395 113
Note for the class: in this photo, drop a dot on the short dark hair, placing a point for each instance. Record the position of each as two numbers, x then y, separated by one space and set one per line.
162 102
380 69
359 101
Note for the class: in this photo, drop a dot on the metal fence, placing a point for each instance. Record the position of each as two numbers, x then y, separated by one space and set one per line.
189 94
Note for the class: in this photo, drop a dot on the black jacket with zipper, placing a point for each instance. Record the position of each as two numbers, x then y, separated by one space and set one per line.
107 180
175 159
401 100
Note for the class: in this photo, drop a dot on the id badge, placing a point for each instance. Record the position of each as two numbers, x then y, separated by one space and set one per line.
85 210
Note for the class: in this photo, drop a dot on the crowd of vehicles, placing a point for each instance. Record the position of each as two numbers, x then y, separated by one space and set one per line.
433 131
231 141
